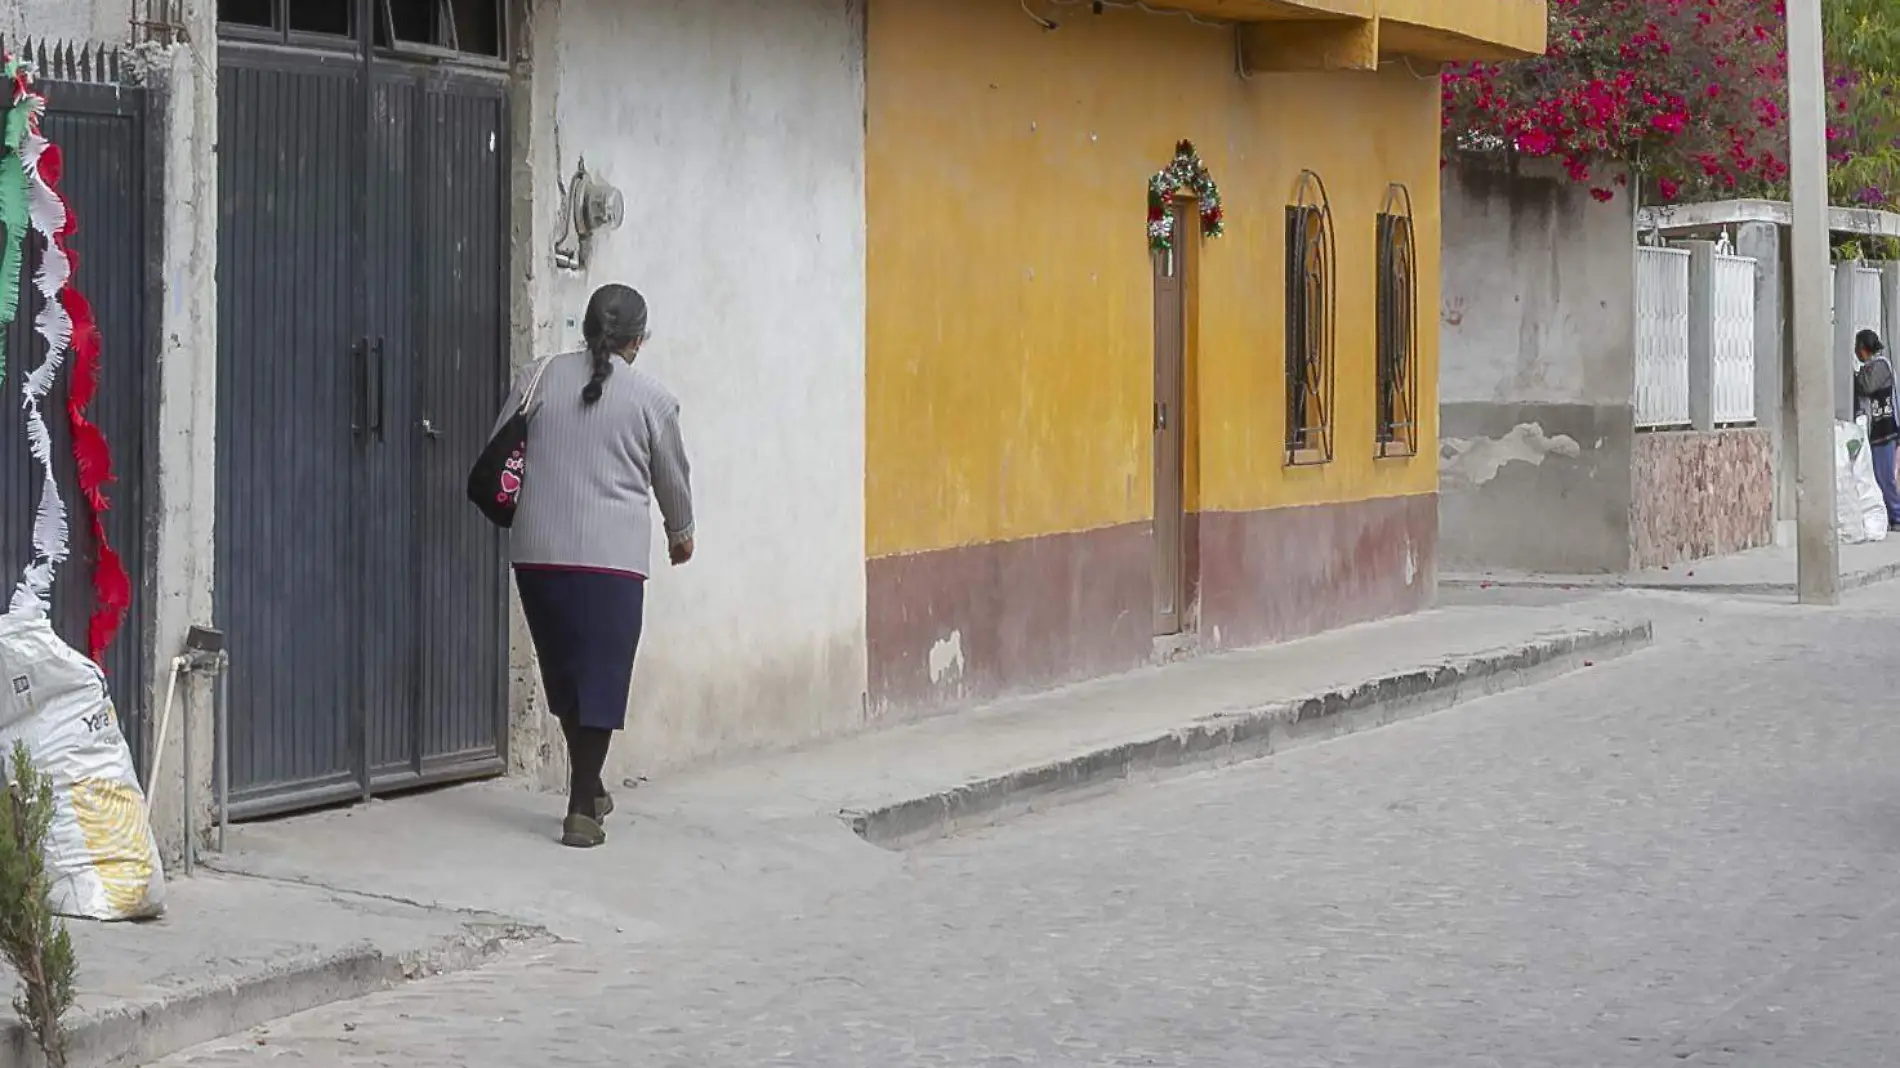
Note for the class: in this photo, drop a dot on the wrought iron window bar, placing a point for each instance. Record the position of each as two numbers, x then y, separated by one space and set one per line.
1311 299
1397 326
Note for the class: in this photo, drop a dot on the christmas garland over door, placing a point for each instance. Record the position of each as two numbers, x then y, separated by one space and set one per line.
1184 172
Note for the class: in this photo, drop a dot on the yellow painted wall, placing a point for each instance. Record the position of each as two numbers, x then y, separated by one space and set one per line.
1009 333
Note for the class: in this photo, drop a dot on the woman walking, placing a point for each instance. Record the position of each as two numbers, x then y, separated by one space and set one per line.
1874 397
604 446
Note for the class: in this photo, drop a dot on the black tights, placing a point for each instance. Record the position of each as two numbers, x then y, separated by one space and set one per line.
586 757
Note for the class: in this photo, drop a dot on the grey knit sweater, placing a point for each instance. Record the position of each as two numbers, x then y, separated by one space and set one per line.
594 471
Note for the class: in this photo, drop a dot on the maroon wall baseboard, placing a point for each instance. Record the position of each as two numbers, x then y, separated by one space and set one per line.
961 625
1286 573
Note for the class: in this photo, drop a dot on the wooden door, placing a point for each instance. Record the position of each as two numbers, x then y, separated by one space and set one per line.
1170 315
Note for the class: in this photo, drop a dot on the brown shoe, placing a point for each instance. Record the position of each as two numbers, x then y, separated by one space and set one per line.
603 807
581 832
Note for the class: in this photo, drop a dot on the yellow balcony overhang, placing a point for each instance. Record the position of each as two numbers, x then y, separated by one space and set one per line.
1453 30
1263 10
1307 35
1296 45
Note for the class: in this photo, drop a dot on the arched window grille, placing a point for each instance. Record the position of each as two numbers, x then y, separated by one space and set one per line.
1310 301
1398 326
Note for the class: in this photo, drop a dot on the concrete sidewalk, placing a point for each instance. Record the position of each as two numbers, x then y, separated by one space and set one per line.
232 952
1758 572
337 904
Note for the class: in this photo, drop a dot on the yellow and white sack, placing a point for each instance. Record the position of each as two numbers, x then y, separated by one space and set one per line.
101 857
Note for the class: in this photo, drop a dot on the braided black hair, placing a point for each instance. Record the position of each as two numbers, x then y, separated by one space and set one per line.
616 321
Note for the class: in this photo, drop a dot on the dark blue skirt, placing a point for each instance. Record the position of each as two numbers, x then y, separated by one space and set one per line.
586 629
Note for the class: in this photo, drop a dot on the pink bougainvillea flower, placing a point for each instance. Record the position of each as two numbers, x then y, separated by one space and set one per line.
1690 89
1537 142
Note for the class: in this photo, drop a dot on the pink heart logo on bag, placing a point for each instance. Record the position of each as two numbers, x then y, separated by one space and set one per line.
510 483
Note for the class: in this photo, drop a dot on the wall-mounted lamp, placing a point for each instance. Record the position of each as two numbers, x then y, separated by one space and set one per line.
588 207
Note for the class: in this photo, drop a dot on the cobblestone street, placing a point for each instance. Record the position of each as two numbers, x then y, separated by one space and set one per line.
1689 856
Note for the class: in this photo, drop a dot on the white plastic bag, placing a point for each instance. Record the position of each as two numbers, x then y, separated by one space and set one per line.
1858 505
101 857
1872 503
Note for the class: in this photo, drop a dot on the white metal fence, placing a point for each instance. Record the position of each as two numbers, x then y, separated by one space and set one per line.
1732 339
1662 337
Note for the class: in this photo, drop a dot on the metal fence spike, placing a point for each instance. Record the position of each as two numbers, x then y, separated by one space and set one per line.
68 61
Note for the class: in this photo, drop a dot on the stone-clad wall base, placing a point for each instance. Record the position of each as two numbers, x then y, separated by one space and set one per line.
1699 494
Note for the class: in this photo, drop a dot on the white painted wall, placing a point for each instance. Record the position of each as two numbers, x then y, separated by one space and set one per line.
65 20
735 130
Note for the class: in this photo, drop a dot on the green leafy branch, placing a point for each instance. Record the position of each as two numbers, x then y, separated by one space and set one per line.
32 937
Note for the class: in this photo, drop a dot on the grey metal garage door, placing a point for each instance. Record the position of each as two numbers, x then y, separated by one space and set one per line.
362 347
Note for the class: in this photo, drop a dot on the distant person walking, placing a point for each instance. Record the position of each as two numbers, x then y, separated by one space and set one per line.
604 446
1874 398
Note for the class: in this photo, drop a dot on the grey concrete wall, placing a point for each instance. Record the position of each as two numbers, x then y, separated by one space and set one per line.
184 493
532 750
1774 397
1538 487
66 20
1701 333
1536 372
1847 316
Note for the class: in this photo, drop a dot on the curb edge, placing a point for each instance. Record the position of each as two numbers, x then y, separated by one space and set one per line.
1233 737
134 1032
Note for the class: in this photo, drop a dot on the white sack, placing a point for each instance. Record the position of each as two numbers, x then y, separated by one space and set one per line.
101 857
1858 506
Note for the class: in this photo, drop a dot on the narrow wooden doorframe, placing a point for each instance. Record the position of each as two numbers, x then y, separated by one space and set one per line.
1173 282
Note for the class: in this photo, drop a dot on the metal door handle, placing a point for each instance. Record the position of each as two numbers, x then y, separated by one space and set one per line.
430 430
381 382
359 386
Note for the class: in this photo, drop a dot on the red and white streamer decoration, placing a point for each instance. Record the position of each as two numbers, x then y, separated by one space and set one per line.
66 325
46 214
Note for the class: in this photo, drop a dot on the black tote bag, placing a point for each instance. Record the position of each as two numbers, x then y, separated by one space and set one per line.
501 471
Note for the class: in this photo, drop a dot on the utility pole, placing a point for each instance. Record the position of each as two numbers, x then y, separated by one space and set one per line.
1817 537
